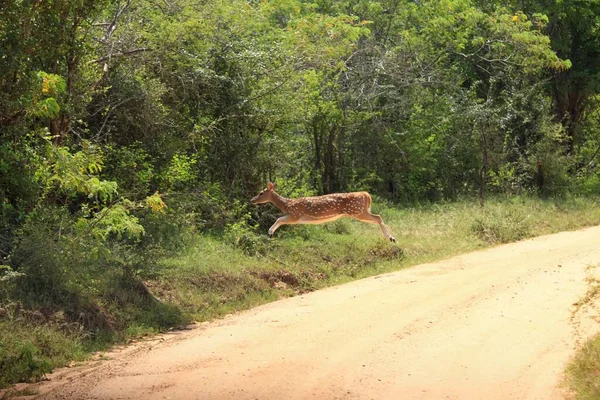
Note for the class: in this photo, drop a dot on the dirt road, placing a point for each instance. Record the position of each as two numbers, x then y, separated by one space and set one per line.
494 324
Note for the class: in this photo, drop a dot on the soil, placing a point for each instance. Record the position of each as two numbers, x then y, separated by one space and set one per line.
499 323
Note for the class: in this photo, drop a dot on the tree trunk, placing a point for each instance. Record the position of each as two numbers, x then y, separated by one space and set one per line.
318 143
329 166
569 104
484 167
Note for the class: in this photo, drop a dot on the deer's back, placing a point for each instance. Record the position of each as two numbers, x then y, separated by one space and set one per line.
331 204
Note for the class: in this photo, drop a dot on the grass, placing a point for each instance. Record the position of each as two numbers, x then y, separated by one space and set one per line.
218 275
582 374
35 342
214 277
19 393
32 350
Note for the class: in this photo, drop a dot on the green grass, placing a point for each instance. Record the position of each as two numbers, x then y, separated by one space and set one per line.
12 393
583 372
217 275
582 375
34 342
28 351
214 276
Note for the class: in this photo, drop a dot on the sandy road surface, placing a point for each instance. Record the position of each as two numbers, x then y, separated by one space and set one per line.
494 324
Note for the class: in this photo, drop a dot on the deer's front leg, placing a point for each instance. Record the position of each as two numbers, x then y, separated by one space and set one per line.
286 219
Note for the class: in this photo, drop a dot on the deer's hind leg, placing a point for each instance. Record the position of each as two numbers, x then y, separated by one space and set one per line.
375 219
286 219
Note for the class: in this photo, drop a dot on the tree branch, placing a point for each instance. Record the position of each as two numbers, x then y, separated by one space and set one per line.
121 54
591 162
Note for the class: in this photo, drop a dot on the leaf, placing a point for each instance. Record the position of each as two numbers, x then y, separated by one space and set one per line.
47 108
156 203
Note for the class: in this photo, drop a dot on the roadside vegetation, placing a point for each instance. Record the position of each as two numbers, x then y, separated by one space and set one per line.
213 277
210 276
582 374
134 132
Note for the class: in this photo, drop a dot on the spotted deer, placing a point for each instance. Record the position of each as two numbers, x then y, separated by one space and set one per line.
320 209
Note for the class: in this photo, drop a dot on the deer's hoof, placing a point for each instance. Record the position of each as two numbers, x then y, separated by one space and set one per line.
270 236
393 240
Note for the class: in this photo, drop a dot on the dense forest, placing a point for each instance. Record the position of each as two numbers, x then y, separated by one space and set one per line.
126 125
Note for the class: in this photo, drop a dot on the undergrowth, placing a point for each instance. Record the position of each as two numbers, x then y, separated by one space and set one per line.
582 374
29 351
219 275
212 275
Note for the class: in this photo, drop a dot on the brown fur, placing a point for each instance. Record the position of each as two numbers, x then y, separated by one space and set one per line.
320 209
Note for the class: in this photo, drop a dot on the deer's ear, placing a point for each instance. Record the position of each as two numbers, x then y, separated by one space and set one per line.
271 186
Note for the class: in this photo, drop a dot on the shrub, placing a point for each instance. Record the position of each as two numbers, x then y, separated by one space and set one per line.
29 351
242 234
497 226
583 373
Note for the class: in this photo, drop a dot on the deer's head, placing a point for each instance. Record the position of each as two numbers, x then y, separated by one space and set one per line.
266 195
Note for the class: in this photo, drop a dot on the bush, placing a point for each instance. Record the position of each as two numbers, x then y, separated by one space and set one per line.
242 234
29 351
497 226
95 280
20 360
583 373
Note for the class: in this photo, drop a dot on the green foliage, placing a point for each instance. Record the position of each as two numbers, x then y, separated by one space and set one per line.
28 352
22 361
129 128
70 174
584 370
180 173
243 235
588 152
212 277
497 226
115 220
8 278
44 102
132 167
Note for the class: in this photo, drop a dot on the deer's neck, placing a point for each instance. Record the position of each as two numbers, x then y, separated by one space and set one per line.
280 202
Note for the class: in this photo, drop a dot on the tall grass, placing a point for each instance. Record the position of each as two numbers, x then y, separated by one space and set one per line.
29 351
216 276
583 372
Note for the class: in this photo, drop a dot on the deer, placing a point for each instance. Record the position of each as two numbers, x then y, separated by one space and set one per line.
321 209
